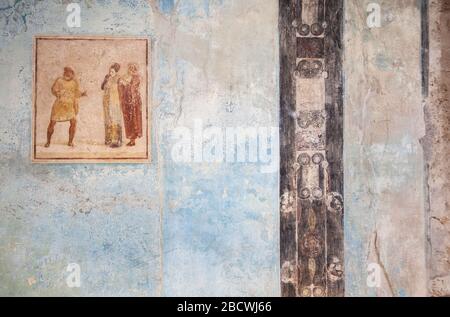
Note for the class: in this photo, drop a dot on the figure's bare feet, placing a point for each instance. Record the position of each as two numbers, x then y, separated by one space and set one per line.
131 143
70 144
47 144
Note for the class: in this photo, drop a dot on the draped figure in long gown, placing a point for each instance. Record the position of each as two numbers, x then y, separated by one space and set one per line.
131 102
112 108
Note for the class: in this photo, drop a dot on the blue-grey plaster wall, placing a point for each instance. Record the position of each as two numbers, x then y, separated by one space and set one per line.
385 215
162 229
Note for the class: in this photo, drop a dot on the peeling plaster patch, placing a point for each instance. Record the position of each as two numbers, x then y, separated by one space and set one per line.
440 286
166 6
133 4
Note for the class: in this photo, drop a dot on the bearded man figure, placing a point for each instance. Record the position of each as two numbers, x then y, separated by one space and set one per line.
65 108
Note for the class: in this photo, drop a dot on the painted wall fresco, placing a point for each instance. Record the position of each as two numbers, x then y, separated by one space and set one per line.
82 115
208 224
312 206
164 228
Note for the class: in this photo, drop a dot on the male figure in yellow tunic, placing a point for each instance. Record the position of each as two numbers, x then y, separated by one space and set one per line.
67 92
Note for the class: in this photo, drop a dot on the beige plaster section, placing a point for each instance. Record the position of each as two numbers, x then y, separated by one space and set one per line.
438 148
309 11
310 94
384 160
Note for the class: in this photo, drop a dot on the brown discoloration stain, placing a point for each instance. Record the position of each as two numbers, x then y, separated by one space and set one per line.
443 221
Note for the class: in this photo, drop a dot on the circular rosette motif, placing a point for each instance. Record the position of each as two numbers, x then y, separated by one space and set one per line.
335 203
317 193
317 158
304 29
318 292
305 193
313 291
317 29
304 159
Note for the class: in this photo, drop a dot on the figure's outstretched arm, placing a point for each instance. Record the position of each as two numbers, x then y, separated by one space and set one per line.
78 92
56 88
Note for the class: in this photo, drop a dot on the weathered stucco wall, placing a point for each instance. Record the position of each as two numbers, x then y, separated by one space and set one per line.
385 216
198 229
438 149
159 229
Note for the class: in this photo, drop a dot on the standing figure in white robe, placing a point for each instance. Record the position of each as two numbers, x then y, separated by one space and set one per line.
112 109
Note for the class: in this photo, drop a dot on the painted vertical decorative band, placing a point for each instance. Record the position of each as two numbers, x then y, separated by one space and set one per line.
311 148
425 46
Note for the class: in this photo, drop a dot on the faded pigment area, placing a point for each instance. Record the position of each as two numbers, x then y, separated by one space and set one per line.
385 216
156 229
